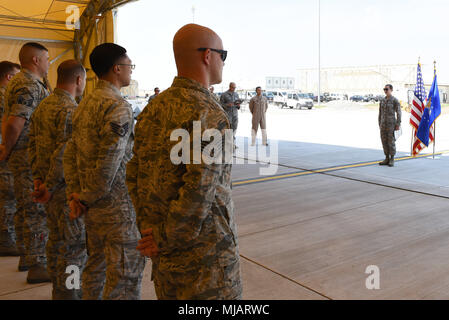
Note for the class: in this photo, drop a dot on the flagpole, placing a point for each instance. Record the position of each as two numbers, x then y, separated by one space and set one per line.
411 144
434 132
434 122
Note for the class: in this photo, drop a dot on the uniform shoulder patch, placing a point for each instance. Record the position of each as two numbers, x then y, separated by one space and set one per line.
121 130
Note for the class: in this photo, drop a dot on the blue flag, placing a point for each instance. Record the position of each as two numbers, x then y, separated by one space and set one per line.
430 114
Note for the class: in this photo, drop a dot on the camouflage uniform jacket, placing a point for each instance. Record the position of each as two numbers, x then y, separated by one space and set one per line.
50 128
2 106
23 94
188 206
95 157
387 109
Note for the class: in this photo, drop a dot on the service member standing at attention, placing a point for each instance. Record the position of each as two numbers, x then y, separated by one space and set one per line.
231 104
389 121
258 106
23 94
7 198
185 211
50 128
94 166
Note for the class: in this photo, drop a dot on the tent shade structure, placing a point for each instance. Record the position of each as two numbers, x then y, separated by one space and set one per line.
52 23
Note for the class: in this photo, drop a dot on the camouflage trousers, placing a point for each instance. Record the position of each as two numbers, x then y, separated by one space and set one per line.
7 207
66 245
114 269
30 218
233 117
388 141
215 282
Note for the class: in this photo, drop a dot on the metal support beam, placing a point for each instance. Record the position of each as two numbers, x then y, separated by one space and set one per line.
74 1
34 20
40 28
35 39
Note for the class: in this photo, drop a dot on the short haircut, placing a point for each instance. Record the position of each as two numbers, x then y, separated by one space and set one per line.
34 45
105 56
69 71
156 88
258 88
23 57
7 67
389 86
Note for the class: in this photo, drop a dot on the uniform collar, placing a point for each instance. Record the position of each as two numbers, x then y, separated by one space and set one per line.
103 84
30 75
181 82
64 93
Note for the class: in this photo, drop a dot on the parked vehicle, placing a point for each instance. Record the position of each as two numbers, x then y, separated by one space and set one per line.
280 98
356 98
299 100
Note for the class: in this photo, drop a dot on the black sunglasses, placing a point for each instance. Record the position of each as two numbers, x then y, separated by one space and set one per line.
386 89
223 53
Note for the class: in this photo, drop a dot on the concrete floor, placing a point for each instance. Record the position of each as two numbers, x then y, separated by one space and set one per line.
312 235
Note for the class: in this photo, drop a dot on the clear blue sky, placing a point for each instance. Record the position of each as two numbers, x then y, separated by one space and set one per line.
275 38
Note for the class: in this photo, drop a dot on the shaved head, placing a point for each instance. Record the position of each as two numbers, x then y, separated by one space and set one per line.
190 61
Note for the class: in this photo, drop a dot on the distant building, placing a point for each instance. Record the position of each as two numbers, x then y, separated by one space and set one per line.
279 83
132 90
357 80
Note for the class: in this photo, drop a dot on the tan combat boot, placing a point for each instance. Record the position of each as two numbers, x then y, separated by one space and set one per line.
391 162
22 264
38 274
385 162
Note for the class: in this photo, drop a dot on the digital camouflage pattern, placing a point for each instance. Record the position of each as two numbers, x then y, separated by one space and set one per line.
7 198
23 94
50 129
232 112
94 167
389 117
188 206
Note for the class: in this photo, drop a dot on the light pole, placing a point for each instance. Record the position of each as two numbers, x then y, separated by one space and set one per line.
193 13
319 52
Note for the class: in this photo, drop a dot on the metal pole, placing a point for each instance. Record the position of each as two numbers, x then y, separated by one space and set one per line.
434 138
319 52
411 144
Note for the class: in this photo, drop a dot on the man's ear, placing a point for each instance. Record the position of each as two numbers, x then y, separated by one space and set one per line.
207 56
116 68
9 76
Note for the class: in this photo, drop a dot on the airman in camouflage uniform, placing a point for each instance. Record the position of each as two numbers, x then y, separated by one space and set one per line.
23 94
94 166
50 129
389 121
185 211
7 198
228 101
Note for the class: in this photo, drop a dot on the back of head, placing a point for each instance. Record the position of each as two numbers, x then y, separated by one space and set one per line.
7 67
30 50
104 57
69 71
188 40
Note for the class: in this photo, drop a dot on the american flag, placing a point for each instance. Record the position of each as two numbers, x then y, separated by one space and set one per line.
418 105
